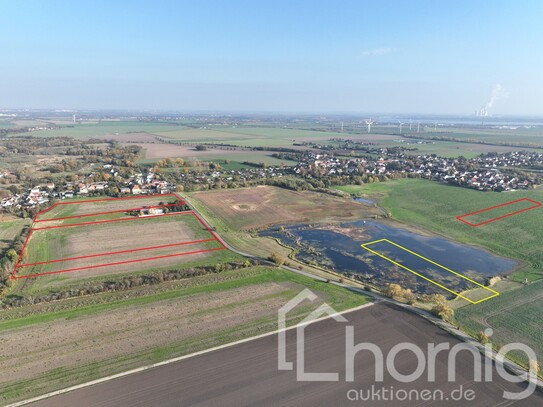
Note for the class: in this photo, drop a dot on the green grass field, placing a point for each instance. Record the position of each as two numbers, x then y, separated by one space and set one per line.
235 158
63 282
51 244
275 136
434 206
256 157
337 297
456 149
6 124
489 134
249 136
520 134
89 130
515 315
10 228
58 243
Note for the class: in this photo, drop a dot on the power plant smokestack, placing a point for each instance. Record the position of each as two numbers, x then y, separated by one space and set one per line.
497 93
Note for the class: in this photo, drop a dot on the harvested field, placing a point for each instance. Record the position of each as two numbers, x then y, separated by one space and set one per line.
116 246
120 246
163 150
159 150
261 206
94 237
132 329
153 152
93 337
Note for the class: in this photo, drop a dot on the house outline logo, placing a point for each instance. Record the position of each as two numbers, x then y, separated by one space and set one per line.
322 312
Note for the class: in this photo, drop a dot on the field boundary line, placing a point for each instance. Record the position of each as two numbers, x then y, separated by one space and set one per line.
494 293
181 358
139 249
113 220
118 263
105 200
18 264
85 215
535 205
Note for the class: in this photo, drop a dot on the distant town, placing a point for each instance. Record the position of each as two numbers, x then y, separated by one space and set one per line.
318 167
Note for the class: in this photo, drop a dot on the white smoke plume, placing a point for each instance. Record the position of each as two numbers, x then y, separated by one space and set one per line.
498 92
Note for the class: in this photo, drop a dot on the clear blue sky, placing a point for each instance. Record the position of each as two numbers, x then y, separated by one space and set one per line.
305 56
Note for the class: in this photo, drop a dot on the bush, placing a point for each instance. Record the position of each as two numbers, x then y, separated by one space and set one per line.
277 259
444 311
483 337
123 283
392 290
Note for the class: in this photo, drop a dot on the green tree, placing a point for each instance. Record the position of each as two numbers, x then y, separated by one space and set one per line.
11 255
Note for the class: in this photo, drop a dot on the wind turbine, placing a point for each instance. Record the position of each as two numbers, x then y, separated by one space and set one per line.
418 126
410 123
401 126
369 123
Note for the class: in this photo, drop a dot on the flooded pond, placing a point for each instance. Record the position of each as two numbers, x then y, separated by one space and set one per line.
364 200
338 247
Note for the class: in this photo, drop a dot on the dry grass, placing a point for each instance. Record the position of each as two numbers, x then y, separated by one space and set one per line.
129 330
72 208
70 242
252 208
